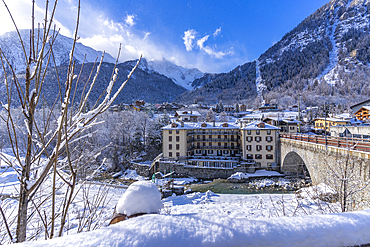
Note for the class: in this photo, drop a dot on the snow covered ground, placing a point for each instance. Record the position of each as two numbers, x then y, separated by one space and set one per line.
208 219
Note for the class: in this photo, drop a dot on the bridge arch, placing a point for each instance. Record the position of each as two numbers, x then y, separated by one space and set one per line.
294 164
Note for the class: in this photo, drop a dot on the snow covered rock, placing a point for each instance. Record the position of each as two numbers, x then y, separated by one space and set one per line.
140 197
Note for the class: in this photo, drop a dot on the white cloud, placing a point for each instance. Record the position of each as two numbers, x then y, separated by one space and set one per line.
188 38
102 33
201 41
21 12
130 20
217 32
209 50
146 35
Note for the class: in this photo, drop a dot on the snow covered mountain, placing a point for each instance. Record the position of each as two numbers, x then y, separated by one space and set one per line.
325 58
11 47
179 75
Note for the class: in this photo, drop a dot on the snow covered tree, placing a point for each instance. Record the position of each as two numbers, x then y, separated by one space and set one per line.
210 117
348 178
223 117
42 150
236 107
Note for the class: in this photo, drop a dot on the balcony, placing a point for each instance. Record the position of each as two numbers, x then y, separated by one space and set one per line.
215 147
221 132
212 140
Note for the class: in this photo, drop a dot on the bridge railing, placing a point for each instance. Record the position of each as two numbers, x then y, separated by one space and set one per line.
340 142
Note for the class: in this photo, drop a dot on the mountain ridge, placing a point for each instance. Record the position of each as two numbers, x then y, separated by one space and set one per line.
325 58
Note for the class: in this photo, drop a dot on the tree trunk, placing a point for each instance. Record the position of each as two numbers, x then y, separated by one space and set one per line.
23 191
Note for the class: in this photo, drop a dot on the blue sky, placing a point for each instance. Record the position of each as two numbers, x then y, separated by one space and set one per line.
212 35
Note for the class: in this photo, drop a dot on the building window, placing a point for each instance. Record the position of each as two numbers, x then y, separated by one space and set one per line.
269 147
249 147
258 156
177 131
204 144
177 146
257 132
269 138
225 136
219 136
291 127
198 145
259 147
225 144
210 136
170 146
249 138
198 151
219 144
210 151
248 132
232 138
257 138
210 144
226 151
170 138
249 156
177 138
198 137
232 145
269 156
177 154
170 154
170 131
269 132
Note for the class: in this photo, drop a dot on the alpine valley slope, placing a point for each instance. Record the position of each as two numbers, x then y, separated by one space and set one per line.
325 58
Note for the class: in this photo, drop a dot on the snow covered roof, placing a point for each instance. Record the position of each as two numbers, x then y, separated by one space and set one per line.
140 197
187 113
285 120
367 107
329 119
257 125
204 125
344 116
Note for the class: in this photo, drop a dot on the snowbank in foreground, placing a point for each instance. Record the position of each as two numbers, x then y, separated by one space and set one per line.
212 230
140 197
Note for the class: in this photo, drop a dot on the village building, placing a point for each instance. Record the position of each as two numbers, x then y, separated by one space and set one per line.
358 131
224 145
358 106
259 144
285 125
229 108
242 107
324 124
187 116
363 113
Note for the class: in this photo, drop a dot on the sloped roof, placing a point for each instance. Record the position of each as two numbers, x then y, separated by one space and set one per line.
254 126
204 125
367 107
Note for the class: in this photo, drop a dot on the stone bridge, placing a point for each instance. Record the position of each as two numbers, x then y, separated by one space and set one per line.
327 164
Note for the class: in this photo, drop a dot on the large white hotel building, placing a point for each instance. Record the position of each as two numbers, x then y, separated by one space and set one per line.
221 144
